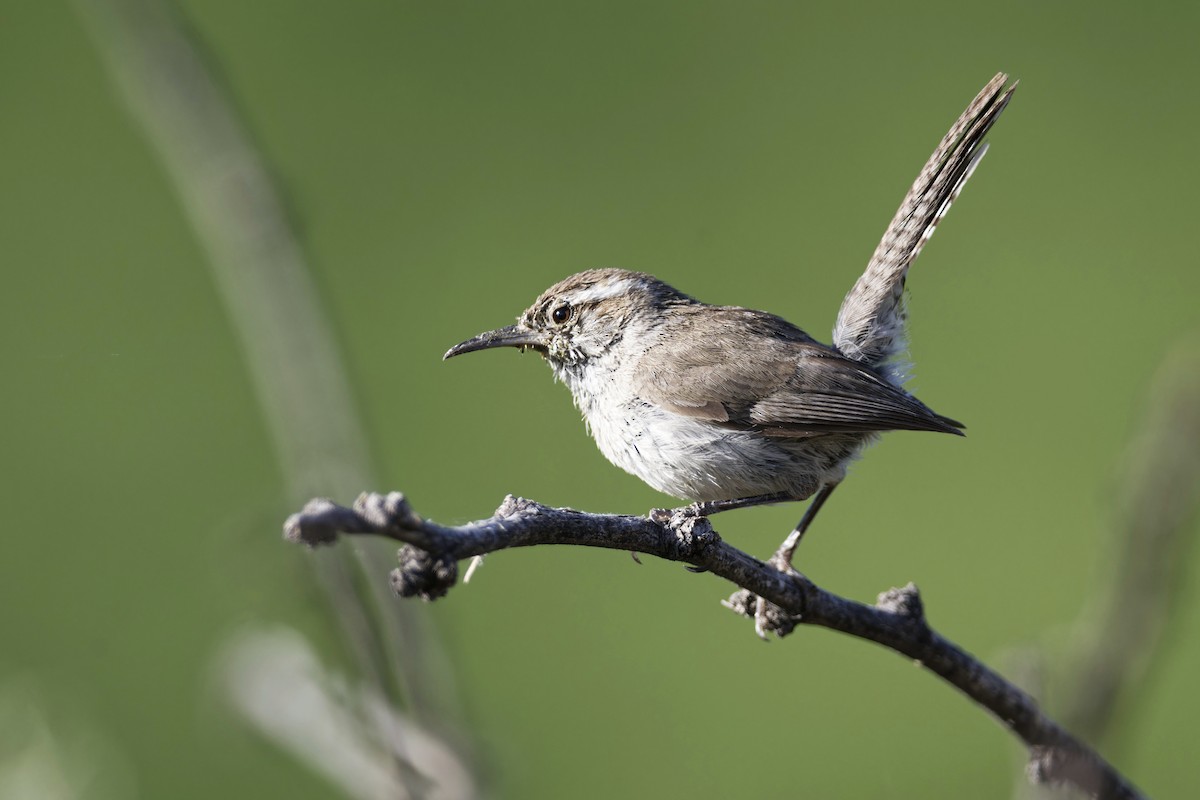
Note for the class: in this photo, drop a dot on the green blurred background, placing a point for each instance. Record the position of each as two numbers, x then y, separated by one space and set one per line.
444 163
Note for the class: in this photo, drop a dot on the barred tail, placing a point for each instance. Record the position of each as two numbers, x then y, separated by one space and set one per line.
871 324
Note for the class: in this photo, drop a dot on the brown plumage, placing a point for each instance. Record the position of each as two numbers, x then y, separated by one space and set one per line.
786 384
731 407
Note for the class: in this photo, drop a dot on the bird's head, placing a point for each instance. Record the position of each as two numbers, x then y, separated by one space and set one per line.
580 318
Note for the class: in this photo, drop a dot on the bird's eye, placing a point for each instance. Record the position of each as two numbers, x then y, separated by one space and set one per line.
561 313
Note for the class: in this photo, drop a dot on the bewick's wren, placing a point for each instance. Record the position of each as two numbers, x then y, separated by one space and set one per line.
730 407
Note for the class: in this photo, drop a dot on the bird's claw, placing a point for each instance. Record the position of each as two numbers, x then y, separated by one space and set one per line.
671 517
660 515
770 618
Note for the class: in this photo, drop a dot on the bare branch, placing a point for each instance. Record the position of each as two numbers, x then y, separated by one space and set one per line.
429 567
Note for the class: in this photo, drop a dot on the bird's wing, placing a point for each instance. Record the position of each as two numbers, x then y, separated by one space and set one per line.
773 378
870 325
828 393
698 370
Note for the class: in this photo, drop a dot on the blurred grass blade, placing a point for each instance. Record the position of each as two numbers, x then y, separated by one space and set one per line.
1119 635
1157 516
261 271
280 685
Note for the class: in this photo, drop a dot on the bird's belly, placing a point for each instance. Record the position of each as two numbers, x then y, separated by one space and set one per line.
697 460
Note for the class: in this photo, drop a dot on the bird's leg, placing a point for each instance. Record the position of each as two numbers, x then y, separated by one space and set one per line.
710 507
707 508
782 560
788 548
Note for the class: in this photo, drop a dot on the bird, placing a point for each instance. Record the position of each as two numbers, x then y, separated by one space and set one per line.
729 407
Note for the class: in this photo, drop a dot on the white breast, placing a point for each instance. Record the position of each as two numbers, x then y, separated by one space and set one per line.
694 459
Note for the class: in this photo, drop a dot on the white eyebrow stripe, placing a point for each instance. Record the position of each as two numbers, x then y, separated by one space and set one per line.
601 291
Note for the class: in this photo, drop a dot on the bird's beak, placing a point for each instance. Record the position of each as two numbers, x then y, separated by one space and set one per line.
512 336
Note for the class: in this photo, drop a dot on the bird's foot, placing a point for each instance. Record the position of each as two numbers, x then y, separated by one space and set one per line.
768 617
673 517
706 508
691 529
670 518
662 515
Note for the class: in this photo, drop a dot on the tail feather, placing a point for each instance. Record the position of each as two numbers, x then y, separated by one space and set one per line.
871 323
